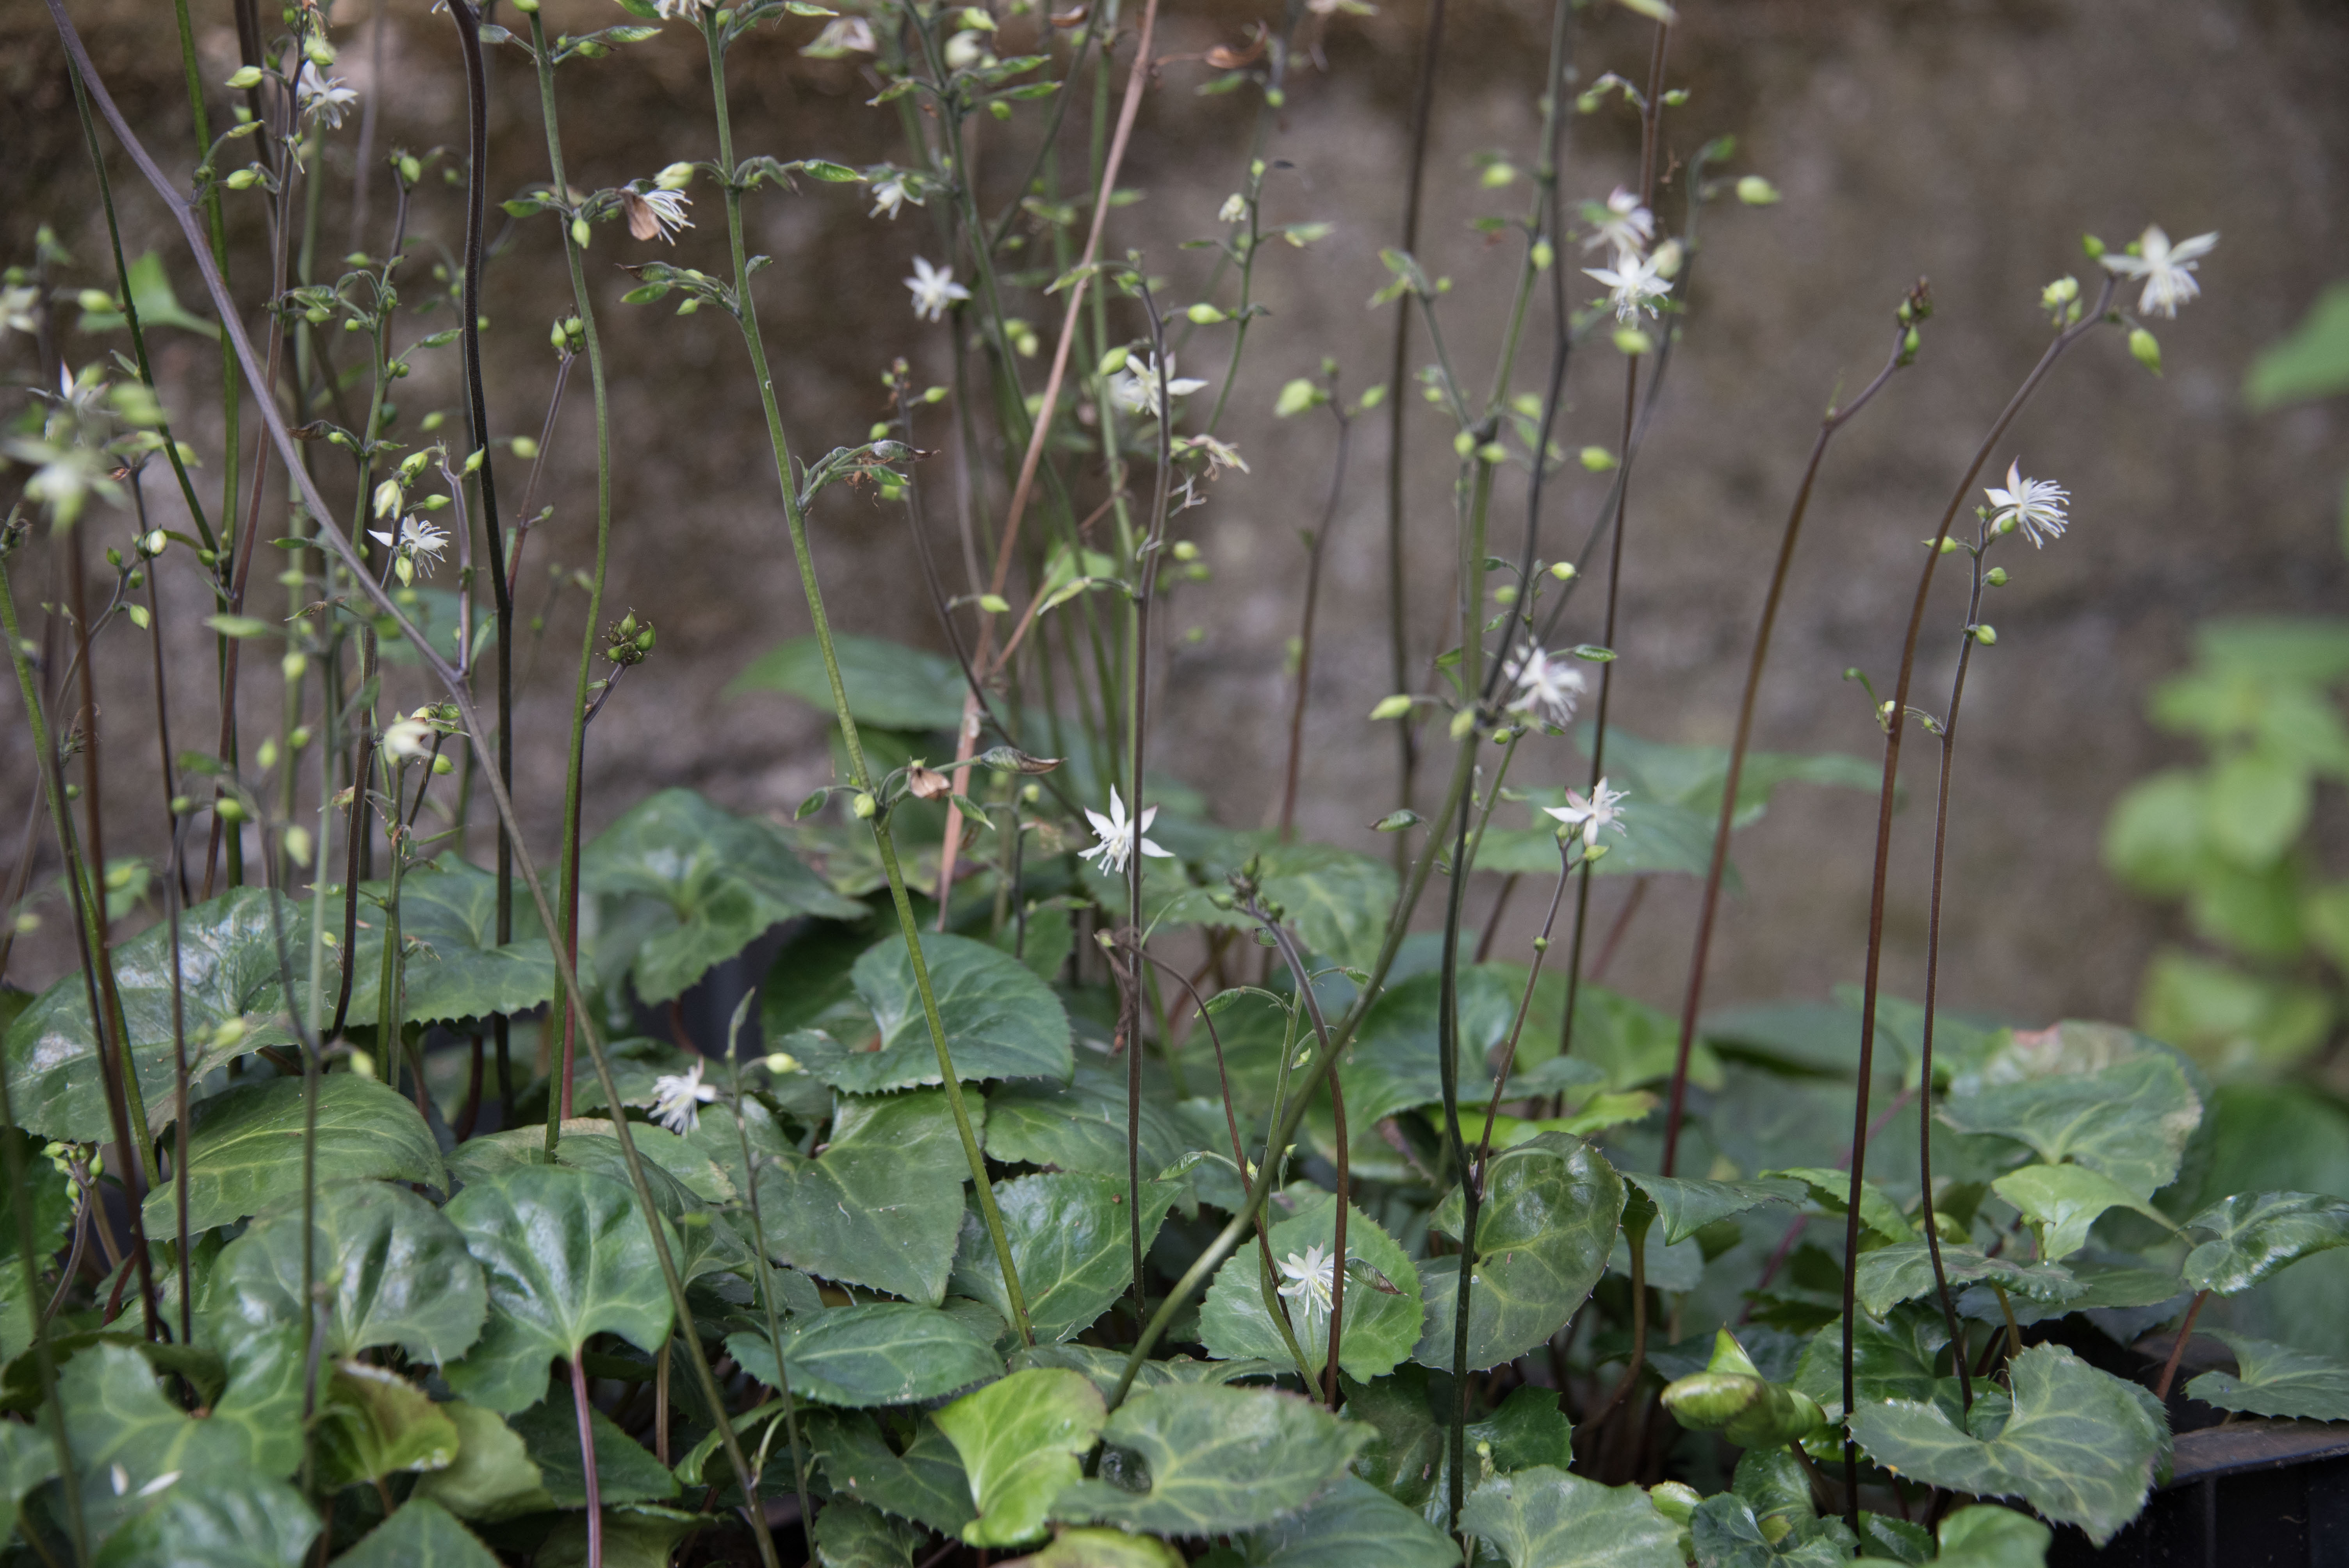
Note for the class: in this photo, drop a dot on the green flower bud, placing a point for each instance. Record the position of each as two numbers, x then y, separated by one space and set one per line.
1756 192
230 810
1206 314
863 806
579 233
441 764
244 80
2147 348
1995 577
1395 706
1986 635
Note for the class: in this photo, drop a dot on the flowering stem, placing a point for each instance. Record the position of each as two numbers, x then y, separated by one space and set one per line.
1894 730
1316 544
2178 1346
766 1267
1834 421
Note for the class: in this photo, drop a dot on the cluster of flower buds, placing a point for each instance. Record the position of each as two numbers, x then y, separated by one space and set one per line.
628 640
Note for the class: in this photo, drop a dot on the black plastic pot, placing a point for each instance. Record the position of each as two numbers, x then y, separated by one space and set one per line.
2252 1494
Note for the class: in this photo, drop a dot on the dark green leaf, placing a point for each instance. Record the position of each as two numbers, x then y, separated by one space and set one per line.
1549 1217
1986 1536
1545 1518
848 1534
494 1478
1686 1205
1201 1461
1831 1191
881 1206
28 1457
1394 1064
2253 1234
1020 1439
116 1415
245 1152
1106 1367
398 1270
455 966
711 884
1352 1525
876 1353
1071 1244
236 1521
419 1535
1727 1533
1335 899
1382 1323
625 1472
1892 1357
2276 1380
2078 1446
641 1536
1903 1272
1077 1126
888 685
927 1482
684 1181
374 1424
1002 1022
566 1256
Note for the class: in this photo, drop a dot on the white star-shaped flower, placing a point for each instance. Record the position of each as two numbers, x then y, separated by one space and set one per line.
1621 224
1547 687
322 96
2035 506
1135 387
2167 270
408 737
1592 815
678 1099
1117 834
891 192
656 215
1632 283
680 10
1220 454
417 541
842 35
933 290
17 307
1310 1279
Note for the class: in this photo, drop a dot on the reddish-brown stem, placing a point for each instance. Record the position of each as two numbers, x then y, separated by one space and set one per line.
1315 548
2177 1350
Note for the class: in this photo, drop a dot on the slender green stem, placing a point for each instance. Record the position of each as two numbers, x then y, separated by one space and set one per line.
766 1263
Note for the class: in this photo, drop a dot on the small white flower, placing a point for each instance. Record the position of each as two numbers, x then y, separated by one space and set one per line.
891 192
656 215
842 35
1135 387
1311 1280
1117 834
680 10
1622 224
408 737
1593 815
2167 270
2035 506
16 310
1631 284
933 290
1220 454
1547 687
1234 209
417 541
322 96
678 1099
965 50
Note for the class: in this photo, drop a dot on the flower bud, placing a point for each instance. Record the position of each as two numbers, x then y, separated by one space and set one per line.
1184 550
1986 635
863 806
1394 707
780 1063
1462 723
318 51
1756 192
441 764
412 168
676 177
1995 577
1565 572
295 665
1204 314
579 232
1112 362
299 738
267 753
2146 348
1632 341
994 604
242 179
297 844
1465 442
230 810
1675 1500
1597 460
228 1032
244 80
1544 255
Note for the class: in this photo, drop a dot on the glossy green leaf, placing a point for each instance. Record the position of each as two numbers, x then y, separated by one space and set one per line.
1546 1518
685 1182
641 1536
1727 1533
1383 1297
625 1471
2253 1234
233 1521
875 1353
1193 1461
1102 1549
881 1206
889 686
1547 1222
2062 1202
848 1534
1986 1536
1080 1125
1687 1205
229 972
1392 1064
244 1151
1002 1022
494 1476
717 881
1889 1275
1105 1366
28 1457
2276 1380
398 1270
1071 1243
116 1415
567 1254
1831 1191
419 1535
1020 1439
1352 1525
455 966
374 1424
1406 1454
926 1482
1893 1358
2077 1445
2130 1119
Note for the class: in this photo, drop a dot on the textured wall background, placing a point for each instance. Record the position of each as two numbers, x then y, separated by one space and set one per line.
1969 142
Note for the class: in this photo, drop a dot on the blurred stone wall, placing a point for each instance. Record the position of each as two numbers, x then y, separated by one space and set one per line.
1968 141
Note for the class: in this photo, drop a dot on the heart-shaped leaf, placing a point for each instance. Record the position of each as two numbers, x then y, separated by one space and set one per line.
455 967
625 1472
848 1534
2253 1234
1548 1220
2129 1120
1383 1297
374 1424
2062 1202
1352 1525
1984 1535
1903 1272
2276 1380
1545 1518
1831 1191
1020 1438
1002 1022
566 1255
397 1274
494 1476
1893 1358
881 1206
1077 1126
419 1535
875 1353
1192 1461
116 1415
927 1482
712 882
2077 1445
235 1522
681 1177
1071 1242
244 1150
889 686
1727 1533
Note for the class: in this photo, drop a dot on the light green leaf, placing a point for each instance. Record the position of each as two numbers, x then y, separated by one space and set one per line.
882 1206
625 1472
684 1181
456 968
419 1535
1831 1191
2253 1234
1983 1535
2062 1202
1079 1125
1002 1022
245 1152
1728 1533
566 1256
2130 1119
1548 1220
1545 1518
1102 1549
925 1483
397 1274
2078 1445
714 882
1686 1205
1352 1525
151 292
235 1522
494 1477
644 1535
1903 1272
116 1415
1382 1299
875 1353
1893 1358
2257 805
1335 899
848 1534
1020 1439
2311 361
374 1424
1202 1461
1071 1243
2276 1380
2154 830
889 686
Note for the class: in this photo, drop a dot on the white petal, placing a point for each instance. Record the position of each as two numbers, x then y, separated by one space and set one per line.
1153 851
